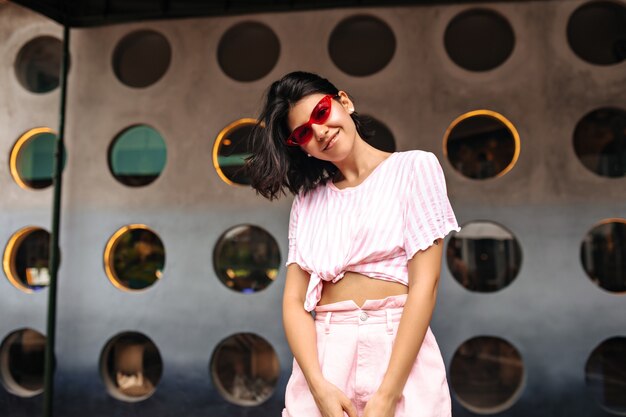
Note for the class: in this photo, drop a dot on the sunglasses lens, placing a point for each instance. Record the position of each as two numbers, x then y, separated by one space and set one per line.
321 111
301 134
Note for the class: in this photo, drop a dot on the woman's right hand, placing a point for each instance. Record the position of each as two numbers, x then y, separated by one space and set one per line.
332 402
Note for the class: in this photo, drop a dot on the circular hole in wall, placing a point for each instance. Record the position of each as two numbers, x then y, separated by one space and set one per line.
484 256
479 39
134 257
487 374
137 156
32 159
246 258
361 45
600 142
603 255
22 359
231 147
26 259
605 374
38 64
245 369
248 51
131 366
482 144
596 32
141 58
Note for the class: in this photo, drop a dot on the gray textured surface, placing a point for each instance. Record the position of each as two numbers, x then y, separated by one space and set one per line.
551 313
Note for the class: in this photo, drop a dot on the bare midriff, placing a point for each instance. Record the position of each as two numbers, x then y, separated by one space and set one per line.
359 287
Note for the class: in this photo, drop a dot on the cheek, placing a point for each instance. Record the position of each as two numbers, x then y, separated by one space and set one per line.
339 118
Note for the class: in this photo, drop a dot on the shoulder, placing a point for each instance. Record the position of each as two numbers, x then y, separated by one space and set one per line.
418 155
415 161
303 198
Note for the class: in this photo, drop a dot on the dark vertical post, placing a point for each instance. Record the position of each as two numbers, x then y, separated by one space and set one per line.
54 237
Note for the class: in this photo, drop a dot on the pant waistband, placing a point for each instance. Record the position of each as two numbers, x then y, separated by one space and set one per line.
387 310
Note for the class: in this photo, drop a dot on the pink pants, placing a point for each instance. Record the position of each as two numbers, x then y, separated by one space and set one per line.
354 346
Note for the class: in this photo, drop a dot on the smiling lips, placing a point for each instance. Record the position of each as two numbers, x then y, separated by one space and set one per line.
331 142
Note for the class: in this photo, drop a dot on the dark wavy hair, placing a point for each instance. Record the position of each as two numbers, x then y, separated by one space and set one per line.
274 166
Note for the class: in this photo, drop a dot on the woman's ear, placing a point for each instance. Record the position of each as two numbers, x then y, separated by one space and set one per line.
345 101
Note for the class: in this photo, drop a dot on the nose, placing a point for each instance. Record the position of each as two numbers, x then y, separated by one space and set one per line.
320 131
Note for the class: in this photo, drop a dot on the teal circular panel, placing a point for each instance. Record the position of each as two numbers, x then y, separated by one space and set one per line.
35 160
137 156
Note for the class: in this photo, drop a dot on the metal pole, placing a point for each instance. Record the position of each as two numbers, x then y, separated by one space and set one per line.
54 237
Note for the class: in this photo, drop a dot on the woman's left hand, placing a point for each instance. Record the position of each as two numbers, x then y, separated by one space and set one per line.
380 406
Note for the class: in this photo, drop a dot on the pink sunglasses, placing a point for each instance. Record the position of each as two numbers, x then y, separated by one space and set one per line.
321 112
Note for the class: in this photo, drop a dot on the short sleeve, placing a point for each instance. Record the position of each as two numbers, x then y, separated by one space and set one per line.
293 224
427 213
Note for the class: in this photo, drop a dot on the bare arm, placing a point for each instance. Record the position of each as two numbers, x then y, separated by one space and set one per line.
301 336
299 325
424 269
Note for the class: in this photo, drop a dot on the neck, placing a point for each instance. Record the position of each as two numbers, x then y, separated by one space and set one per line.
358 163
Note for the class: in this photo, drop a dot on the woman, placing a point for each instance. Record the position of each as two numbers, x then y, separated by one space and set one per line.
365 248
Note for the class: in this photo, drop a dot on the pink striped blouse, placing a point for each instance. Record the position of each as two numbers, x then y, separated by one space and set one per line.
373 228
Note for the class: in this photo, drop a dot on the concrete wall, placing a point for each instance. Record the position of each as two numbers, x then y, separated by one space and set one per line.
552 313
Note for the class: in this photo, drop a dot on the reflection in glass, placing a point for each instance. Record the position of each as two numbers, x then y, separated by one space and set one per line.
32 159
137 156
486 374
603 255
26 259
131 366
596 32
248 51
483 256
246 258
22 356
38 64
605 374
245 369
361 45
482 144
600 142
479 39
134 257
142 58
382 138
230 150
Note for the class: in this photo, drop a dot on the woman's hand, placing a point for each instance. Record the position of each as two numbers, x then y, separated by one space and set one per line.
332 402
380 405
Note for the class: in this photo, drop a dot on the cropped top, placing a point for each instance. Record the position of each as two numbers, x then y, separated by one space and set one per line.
373 228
